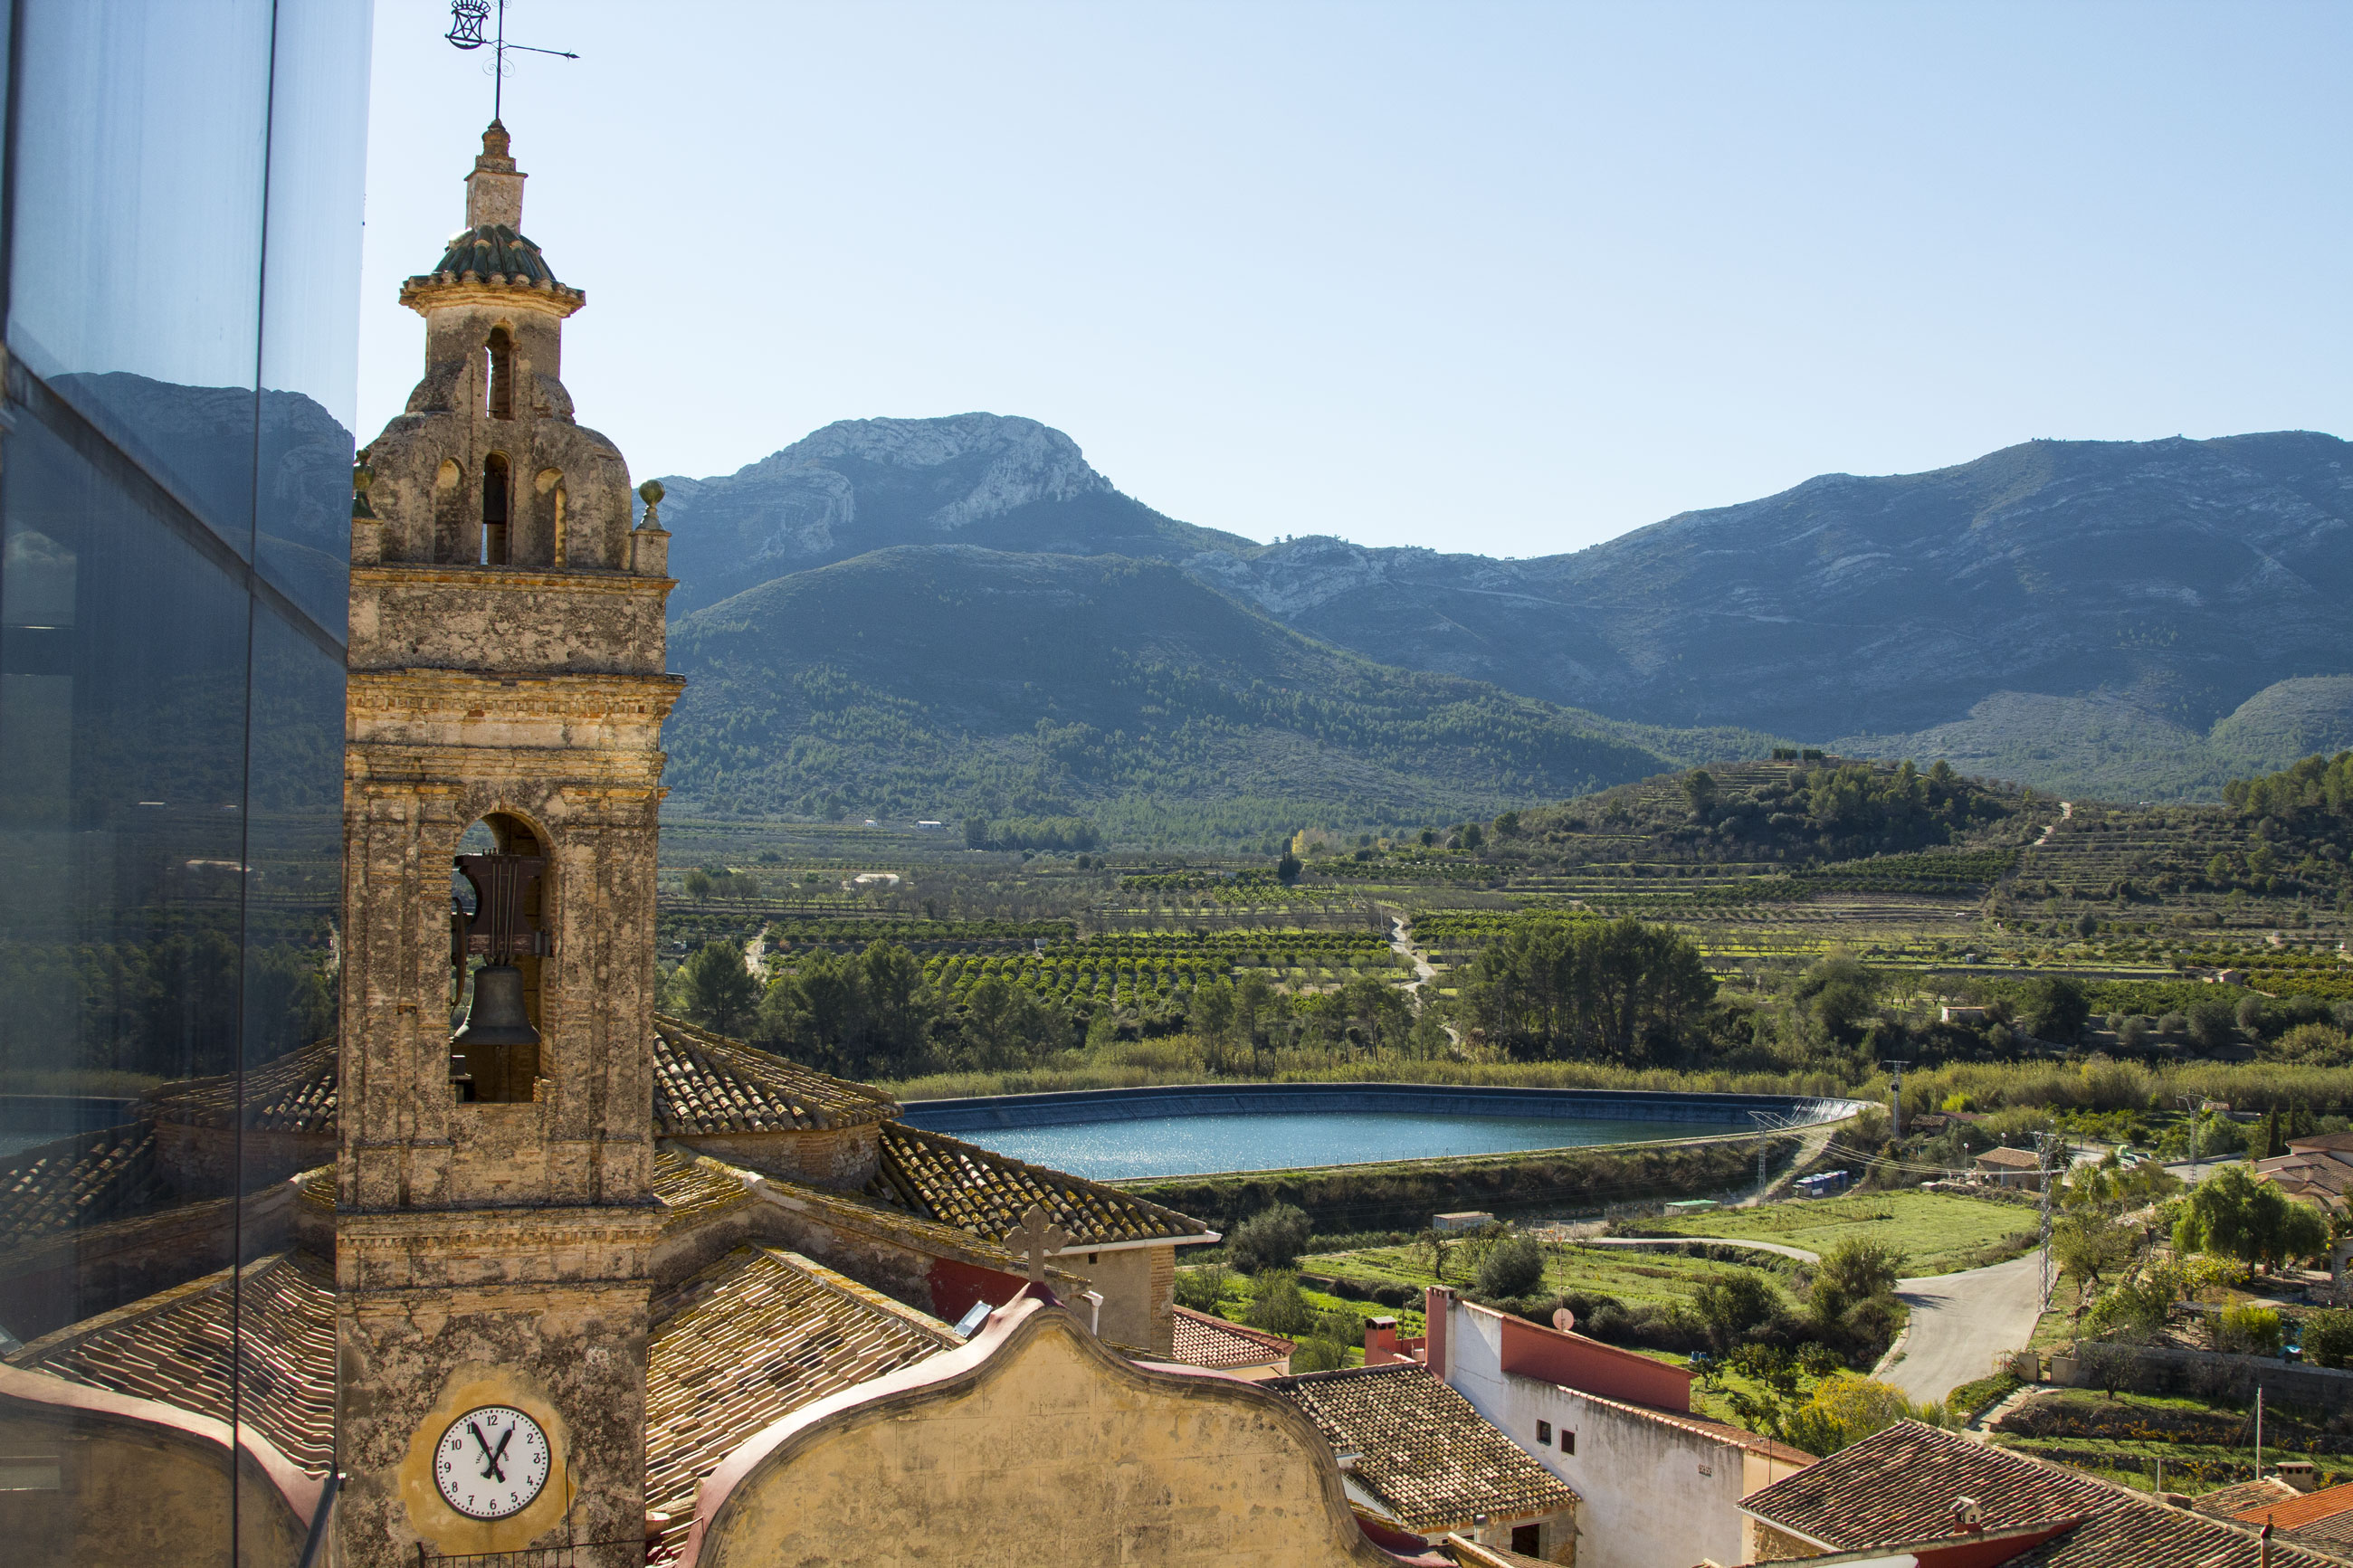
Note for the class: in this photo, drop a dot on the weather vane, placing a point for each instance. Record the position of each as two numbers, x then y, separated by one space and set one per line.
466 21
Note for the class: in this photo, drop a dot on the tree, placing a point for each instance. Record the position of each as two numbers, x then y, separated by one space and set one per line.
2054 1008
1270 1238
1513 1267
2328 1339
1203 1286
2213 1026
1846 1408
1734 1305
1614 990
1854 1270
1699 788
1277 1306
1287 869
716 988
2089 1246
1840 993
2232 1214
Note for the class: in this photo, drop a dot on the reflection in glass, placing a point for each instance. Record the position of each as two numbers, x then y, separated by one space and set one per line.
134 284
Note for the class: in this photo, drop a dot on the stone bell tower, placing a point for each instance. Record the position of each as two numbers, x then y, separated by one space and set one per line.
494 1210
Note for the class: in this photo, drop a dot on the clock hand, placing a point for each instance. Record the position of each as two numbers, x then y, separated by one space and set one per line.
496 1474
490 1467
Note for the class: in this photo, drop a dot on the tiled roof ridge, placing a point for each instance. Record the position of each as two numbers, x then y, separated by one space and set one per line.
1080 1200
935 1236
84 1179
702 1062
1243 1330
60 1341
2306 1508
294 1093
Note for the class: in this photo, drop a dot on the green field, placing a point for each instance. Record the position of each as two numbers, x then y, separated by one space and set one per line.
1632 1277
1937 1231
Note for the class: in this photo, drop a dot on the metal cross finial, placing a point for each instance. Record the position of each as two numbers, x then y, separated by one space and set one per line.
466 21
1037 1241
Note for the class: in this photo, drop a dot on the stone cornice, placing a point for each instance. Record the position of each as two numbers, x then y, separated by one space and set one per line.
431 691
434 291
512 579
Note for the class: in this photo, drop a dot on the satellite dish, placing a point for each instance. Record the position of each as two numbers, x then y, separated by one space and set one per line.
1564 1320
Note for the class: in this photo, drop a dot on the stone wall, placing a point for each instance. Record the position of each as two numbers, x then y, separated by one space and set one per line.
1034 1443
2206 1374
842 1157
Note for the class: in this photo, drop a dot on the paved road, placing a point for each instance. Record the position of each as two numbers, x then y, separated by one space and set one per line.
1960 1321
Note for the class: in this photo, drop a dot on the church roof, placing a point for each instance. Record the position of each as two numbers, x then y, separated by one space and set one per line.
960 1183
177 1347
296 1093
1429 1457
692 1189
705 1084
749 1340
59 1187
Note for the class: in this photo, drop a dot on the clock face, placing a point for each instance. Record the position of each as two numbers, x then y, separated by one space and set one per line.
491 1462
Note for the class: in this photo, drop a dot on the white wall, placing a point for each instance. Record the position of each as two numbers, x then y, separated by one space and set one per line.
1656 1495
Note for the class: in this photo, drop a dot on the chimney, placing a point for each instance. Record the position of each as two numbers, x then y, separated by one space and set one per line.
2299 1474
1380 1342
1969 1516
494 190
1437 1300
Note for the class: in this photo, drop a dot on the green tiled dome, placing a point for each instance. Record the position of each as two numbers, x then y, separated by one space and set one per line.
492 250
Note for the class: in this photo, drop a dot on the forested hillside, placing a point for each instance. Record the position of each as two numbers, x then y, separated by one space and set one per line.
948 682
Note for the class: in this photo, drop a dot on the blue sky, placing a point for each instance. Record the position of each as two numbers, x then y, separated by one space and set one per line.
1495 276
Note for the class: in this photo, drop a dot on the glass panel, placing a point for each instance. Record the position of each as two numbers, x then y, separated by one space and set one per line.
135 278
309 330
122 673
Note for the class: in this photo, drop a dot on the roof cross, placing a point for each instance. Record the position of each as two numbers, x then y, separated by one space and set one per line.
1037 1241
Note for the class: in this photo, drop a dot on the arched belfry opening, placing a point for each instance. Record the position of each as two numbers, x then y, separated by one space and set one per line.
498 500
498 948
499 384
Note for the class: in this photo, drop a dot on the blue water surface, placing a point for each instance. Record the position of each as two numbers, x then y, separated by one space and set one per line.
1191 1145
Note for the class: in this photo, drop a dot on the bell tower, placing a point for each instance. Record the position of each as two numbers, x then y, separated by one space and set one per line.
494 1208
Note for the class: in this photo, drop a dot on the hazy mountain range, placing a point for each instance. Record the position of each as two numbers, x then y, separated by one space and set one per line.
2118 618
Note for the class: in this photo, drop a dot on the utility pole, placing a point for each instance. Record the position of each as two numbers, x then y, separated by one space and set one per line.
2259 1431
2042 1142
1895 1095
2191 1102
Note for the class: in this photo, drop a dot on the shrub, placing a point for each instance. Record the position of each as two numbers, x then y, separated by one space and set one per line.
1847 1408
1513 1267
1279 1307
2328 1339
1319 1355
2248 1330
1853 1271
1270 1238
2212 1026
1202 1288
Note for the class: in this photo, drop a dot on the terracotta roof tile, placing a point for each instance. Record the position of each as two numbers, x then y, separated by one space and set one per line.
2223 1502
174 1347
2303 1509
706 1083
296 1093
1213 1342
1899 1485
960 1183
691 1190
1425 1452
88 1179
756 1335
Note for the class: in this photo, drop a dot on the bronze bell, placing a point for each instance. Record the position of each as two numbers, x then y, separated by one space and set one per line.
497 1016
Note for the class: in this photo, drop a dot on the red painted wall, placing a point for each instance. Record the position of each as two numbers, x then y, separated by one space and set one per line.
1573 1361
956 1286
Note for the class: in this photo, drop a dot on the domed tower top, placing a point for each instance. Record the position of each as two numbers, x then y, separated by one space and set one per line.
490 258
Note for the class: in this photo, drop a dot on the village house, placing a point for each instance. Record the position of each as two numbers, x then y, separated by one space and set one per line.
1659 1486
1917 1484
2009 1168
1418 1457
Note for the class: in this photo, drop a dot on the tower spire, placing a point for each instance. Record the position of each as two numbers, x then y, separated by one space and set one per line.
494 189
